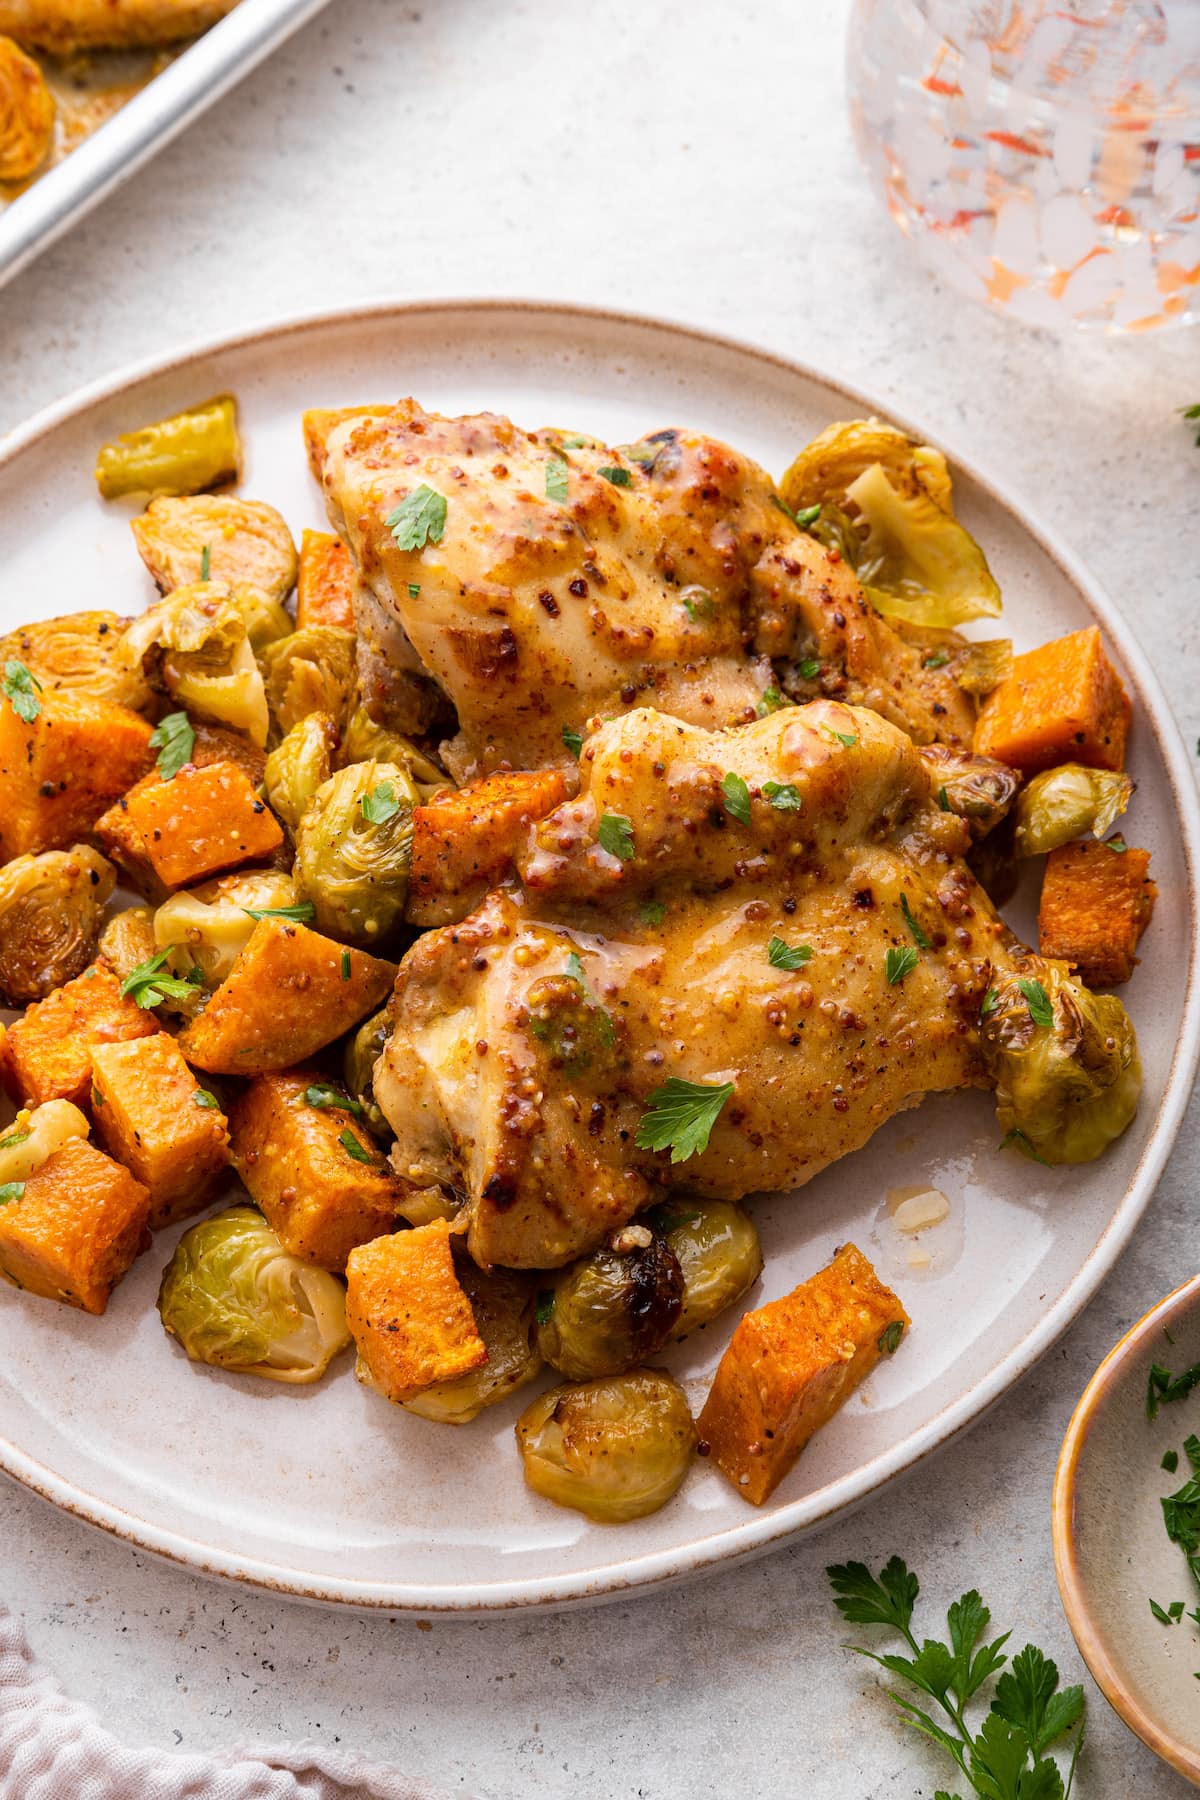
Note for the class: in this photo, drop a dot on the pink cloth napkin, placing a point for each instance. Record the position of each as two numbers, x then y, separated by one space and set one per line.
52 1748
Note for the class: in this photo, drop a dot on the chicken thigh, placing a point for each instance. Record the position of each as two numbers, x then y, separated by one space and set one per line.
63 26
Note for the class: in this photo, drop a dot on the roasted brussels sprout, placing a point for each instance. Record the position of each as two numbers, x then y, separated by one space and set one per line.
363 1050
35 1135
353 850
185 539
978 668
610 1310
185 454
26 114
300 765
1063 803
313 670
503 1303
366 741
615 1449
234 1298
80 653
196 643
976 788
1064 1062
127 940
209 926
50 911
915 561
717 1248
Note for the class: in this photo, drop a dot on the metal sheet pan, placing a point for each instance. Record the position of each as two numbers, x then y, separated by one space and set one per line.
180 93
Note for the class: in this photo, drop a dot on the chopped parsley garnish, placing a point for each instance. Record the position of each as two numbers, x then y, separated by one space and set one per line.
1192 413
148 986
781 955
205 563
1116 843
556 478
352 1147
918 935
697 603
302 913
573 741
808 515
575 443
784 796
810 668
323 1095
653 912
681 1116
19 686
989 1004
1038 1002
10 1191
737 798
345 965
419 519
202 1097
938 660
414 589
771 701
11 1139
846 739
889 1340
615 833
1018 1137
1164 1389
664 1221
1181 1510
543 1310
784 508
900 962
1170 1615
1170 1461
380 804
944 799
618 477
174 739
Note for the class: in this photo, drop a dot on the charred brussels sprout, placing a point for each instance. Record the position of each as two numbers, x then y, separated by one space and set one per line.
976 788
615 1449
313 670
300 765
1064 1062
364 740
503 1303
612 1309
1063 803
363 1050
234 1298
185 454
127 940
717 1248
50 911
195 644
353 850
80 654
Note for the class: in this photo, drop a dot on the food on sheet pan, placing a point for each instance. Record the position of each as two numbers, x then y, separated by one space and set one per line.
602 836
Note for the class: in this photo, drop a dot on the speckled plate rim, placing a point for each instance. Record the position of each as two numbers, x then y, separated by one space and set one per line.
621 1576
1082 1616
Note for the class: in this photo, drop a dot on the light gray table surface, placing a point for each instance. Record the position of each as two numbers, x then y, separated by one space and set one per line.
692 159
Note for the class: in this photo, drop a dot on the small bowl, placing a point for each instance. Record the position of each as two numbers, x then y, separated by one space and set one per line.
1111 1550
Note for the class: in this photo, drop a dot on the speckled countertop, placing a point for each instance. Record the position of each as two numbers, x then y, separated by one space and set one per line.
693 159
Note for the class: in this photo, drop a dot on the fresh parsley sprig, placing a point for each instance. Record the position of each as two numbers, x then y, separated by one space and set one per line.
21 688
1038 1002
615 834
419 519
149 986
1005 1759
174 739
302 913
681 1117
380 804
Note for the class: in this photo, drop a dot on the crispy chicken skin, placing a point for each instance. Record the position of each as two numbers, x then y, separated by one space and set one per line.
507 1084
65 25
669 575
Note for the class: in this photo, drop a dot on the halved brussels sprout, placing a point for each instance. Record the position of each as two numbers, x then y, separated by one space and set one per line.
978 668
503 1303
50 912
976 788
837 456
80 653
1061 804
363 1050
127 940
364 740
313 670
245 540
615 1449
301 764
608 1311
353 850
34 1136
235 1298
185 454
209 926
196 641
1064 1062
717 1248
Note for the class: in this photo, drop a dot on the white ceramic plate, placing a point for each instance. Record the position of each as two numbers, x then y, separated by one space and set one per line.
328 1493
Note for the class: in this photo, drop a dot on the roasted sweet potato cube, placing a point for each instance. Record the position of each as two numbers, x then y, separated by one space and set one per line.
410 1318
48 1051
290 992
203 821
789 1367
325 584
312 1170
77 1225
148 1115
61 770
1096 903
464 842
1063 702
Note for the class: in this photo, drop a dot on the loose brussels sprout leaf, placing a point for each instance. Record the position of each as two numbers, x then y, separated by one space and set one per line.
195 644
716 1245
34 1137
1066 1090
364 740
615 1449
301 764
1061 804
355 869
976 788
234 1298
185 454
611 1310
209 926
502 1303
50 911
266 620
827 467
917 562
79 654
313 670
